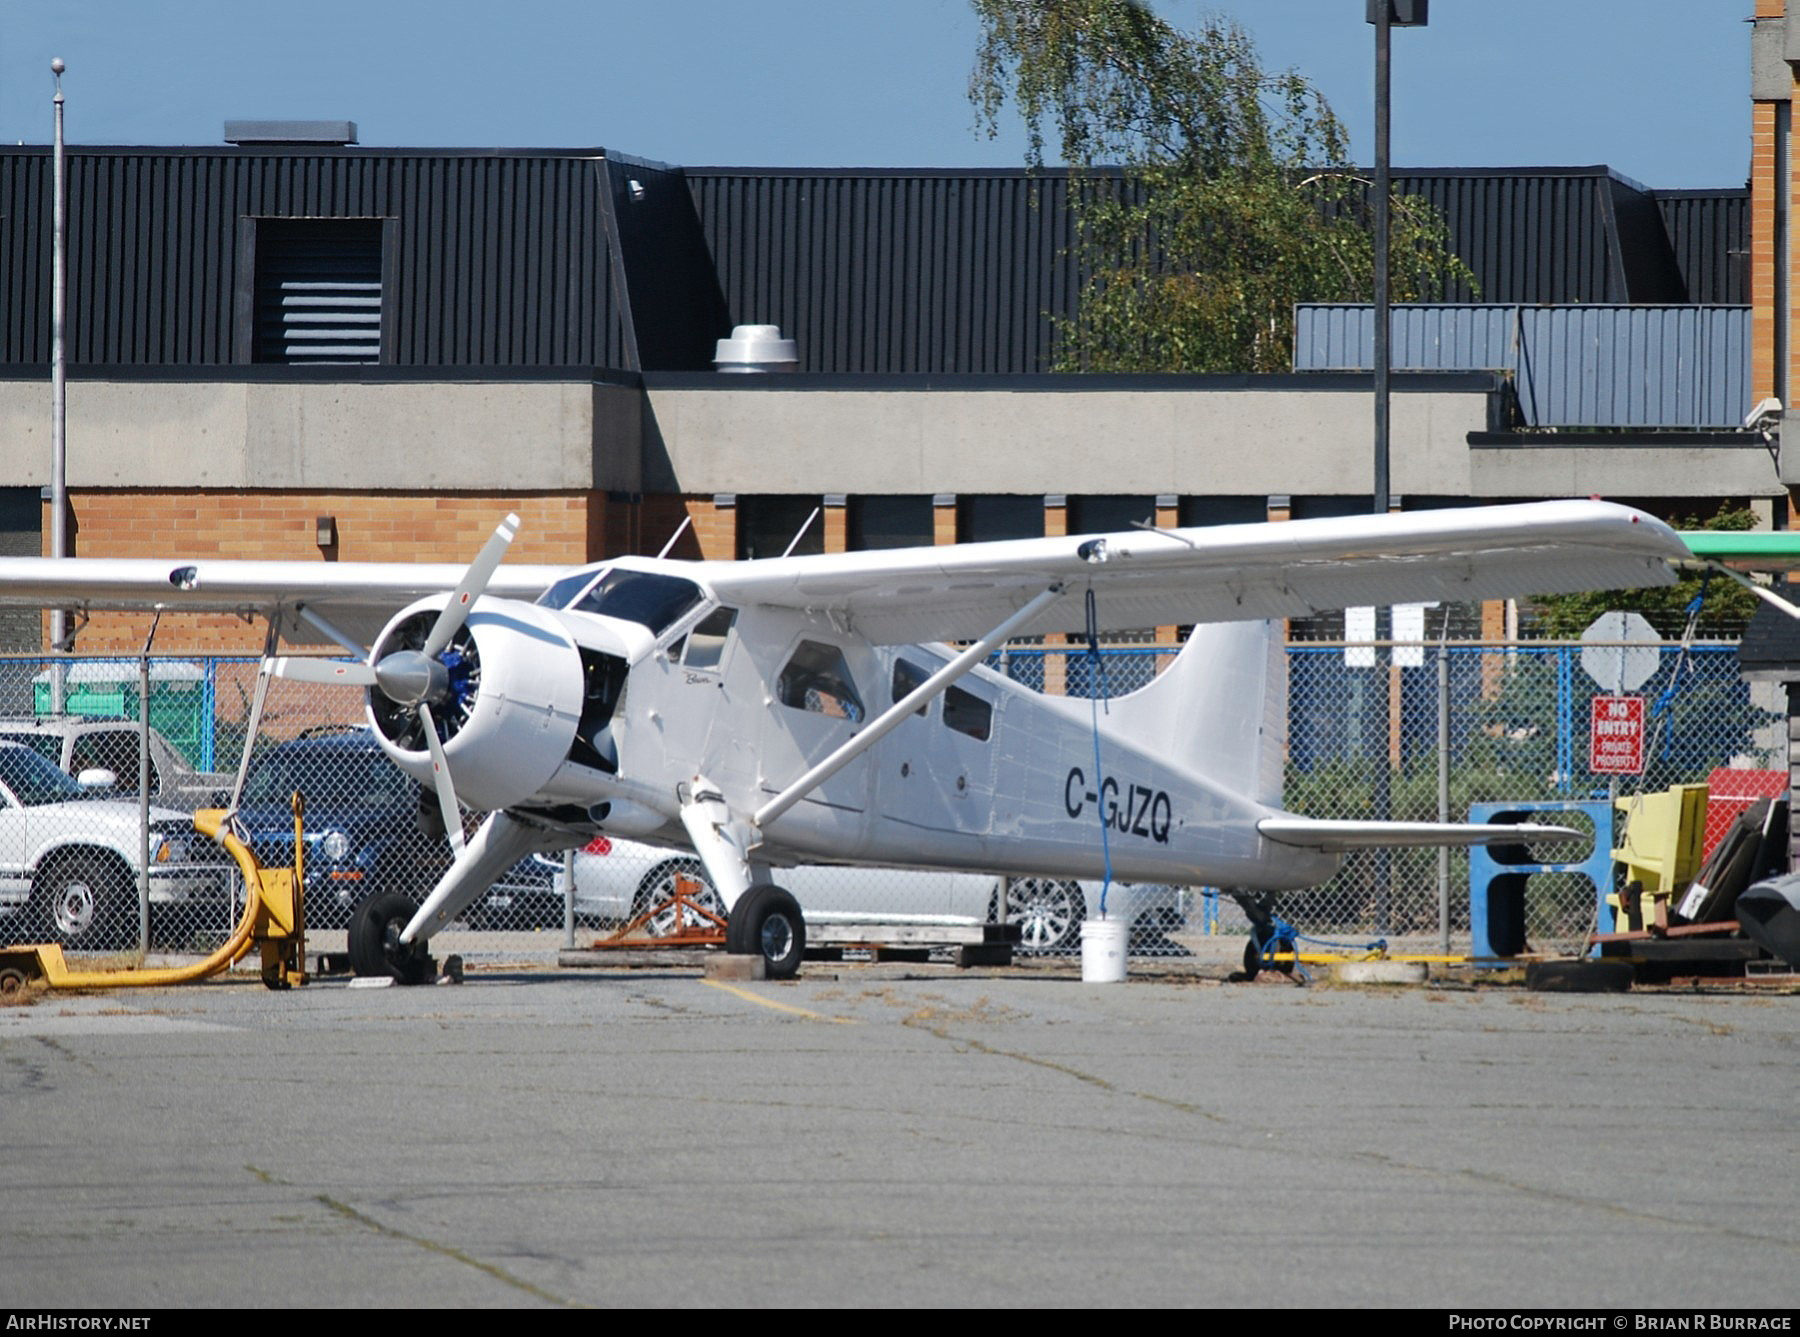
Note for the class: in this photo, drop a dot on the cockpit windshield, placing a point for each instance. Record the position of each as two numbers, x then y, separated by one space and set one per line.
652 600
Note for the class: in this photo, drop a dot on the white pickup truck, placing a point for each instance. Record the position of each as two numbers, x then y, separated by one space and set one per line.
78 743
70 861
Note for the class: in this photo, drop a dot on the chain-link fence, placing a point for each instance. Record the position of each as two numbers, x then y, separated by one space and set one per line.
97 850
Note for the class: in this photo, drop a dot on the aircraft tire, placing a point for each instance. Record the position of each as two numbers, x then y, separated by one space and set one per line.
1584 976
767 922
1253 959
375 948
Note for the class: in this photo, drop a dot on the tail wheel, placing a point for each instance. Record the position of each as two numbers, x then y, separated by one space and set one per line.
375 946
767 922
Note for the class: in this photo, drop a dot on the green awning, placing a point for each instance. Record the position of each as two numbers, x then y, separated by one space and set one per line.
1747 550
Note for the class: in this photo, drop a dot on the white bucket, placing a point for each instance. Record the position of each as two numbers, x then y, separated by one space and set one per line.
1103 950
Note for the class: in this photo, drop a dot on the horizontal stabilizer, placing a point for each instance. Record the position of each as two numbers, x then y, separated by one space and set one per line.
1335 837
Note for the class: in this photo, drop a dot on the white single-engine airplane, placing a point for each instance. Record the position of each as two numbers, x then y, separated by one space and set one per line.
772 711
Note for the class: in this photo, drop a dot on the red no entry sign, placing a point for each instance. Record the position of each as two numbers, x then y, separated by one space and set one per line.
1616 736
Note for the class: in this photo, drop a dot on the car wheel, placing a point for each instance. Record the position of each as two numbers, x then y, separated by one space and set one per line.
767 922
656 892
375 946
1048 913
81 901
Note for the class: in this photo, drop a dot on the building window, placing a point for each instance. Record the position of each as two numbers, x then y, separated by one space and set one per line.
1197 511
1109 514
768 523
890 522
318 290
1005 516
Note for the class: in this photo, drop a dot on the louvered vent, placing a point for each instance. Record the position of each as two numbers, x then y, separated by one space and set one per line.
318 290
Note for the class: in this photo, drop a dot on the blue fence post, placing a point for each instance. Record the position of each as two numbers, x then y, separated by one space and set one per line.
1565 719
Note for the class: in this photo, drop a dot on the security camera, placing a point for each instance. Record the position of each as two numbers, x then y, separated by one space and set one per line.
1766 416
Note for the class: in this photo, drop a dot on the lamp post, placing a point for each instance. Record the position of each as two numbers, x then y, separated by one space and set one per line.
59 445
1385 15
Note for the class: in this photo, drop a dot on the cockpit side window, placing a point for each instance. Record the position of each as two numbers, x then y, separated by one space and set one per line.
706 642
817 679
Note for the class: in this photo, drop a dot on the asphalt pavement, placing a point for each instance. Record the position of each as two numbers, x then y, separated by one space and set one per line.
884 1135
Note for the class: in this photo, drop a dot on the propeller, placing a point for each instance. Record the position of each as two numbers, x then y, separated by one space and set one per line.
438 668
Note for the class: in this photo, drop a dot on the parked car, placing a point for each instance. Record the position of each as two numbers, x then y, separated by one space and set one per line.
78 743
362 822
70 861
615 880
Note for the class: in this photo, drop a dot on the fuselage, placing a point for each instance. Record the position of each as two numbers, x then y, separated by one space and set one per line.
592 709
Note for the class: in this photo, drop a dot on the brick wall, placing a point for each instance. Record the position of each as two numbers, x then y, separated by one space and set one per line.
282 526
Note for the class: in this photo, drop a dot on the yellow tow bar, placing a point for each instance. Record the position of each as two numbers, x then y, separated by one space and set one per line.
273 919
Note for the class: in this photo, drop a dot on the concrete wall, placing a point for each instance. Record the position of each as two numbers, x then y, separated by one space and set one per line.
1098 441
704 439
407 436
1206 442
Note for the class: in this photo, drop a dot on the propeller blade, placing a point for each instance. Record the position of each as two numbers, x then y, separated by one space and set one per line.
469 588
322 670
440 769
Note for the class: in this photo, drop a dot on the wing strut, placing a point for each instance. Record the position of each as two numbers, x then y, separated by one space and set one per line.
885 723
1768 596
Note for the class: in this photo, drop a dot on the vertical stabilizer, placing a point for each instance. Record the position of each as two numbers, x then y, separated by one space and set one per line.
1220 708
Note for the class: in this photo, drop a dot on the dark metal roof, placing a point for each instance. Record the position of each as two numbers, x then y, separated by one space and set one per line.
550 257
499 258
894 272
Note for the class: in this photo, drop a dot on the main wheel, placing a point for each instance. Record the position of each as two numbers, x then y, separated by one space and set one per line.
767 922
1048 913
657 891
375 946
81 901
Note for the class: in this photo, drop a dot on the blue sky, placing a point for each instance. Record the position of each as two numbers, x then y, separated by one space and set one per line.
1658 89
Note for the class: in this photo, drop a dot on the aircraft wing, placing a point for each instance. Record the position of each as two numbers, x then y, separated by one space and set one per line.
1220 574
359 597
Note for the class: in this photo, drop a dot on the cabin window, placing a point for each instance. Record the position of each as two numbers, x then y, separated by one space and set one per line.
909 677
967 713
817 679
706 642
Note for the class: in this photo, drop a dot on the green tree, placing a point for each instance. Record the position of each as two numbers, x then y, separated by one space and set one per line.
1232 199
1725 611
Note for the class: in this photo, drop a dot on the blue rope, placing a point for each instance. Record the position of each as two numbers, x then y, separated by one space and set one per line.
1664 705
1098 690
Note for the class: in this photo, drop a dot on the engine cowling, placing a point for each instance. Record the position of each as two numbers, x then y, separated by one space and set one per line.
507 711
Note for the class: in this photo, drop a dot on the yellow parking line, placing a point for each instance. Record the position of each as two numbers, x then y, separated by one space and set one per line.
749 997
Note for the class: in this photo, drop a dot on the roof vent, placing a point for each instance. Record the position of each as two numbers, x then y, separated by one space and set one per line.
753 348
293 133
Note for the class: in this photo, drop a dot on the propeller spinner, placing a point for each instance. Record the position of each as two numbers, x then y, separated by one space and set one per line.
424 674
